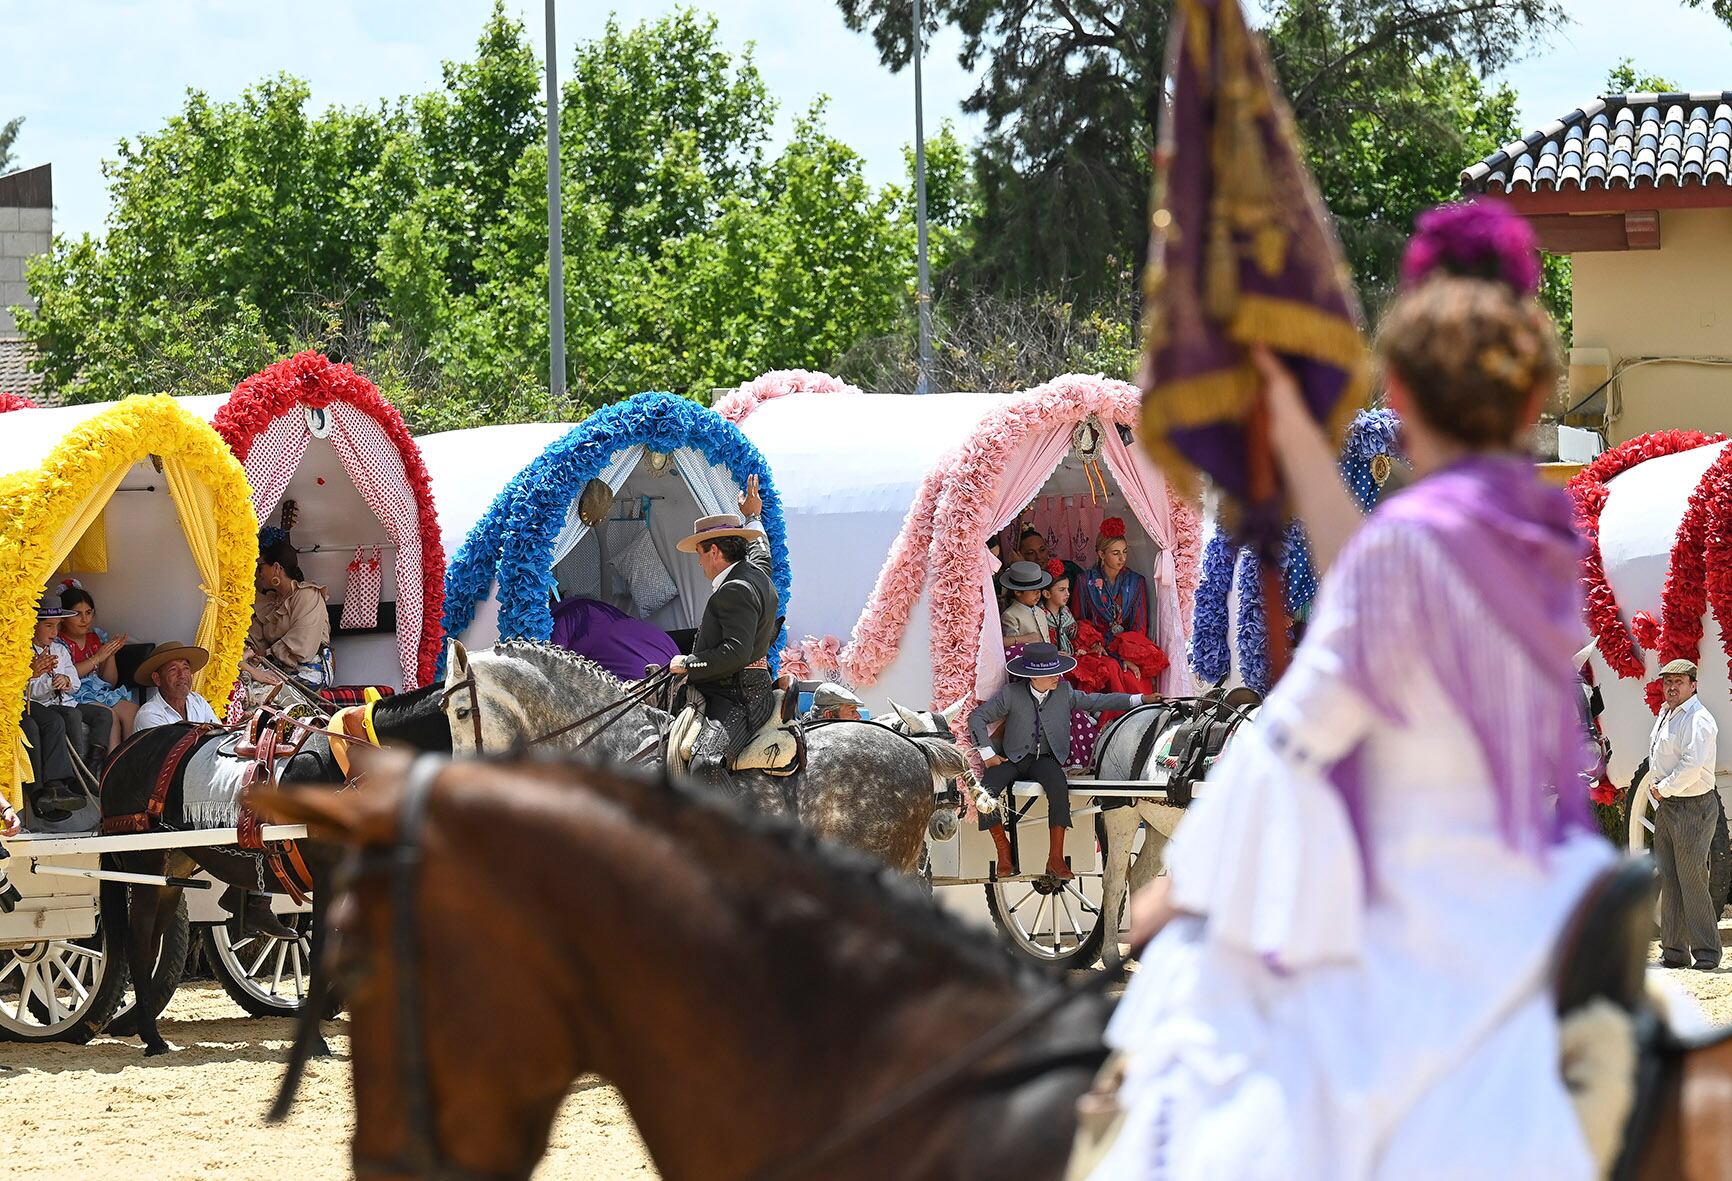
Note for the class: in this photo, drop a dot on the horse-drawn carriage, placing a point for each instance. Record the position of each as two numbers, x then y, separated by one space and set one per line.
1657 512
149 506
927 481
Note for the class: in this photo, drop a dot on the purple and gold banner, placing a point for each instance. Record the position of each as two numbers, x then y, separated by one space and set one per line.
1241 252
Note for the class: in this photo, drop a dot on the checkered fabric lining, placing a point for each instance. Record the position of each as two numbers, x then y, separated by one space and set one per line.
372 462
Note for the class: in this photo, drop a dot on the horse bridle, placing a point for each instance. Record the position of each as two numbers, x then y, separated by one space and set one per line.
422 1156
636 694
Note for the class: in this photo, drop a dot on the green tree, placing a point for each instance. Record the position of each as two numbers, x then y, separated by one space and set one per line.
1624 79
9 137
410 237
1070 90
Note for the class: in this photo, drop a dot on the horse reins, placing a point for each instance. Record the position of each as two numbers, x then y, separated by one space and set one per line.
637 694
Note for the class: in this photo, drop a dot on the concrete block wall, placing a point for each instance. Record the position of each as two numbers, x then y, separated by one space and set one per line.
26 230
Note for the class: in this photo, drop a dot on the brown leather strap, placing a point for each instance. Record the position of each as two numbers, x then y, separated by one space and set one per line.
153 809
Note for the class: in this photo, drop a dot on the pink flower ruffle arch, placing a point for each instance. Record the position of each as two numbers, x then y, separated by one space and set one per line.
778 383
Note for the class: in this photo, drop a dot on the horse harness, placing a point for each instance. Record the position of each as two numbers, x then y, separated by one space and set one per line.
264 740
401 862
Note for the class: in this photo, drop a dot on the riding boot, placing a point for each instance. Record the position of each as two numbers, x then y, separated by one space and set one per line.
1055 865
1006 856
252 914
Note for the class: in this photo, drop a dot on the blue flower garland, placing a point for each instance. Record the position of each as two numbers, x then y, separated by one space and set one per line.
1373 433
513 542
1252 630
1211 659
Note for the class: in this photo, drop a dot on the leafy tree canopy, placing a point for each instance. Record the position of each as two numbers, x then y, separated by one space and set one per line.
9 137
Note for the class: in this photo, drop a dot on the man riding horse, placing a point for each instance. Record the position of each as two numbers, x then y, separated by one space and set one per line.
729 664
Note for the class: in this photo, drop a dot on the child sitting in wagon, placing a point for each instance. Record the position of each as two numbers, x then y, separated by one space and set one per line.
1035 706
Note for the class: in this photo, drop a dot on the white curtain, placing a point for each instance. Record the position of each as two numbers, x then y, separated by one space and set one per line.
712 484
376 468
614 475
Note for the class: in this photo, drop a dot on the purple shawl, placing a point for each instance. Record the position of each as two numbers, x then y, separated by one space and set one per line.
622 645
1509 541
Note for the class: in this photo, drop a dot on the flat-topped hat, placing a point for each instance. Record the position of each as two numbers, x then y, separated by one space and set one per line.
1679 668
163 653
1040 660
715 527
44 611
1024 576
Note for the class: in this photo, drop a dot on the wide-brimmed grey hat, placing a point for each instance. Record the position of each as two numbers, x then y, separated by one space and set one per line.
1024 576
717 526
1679 668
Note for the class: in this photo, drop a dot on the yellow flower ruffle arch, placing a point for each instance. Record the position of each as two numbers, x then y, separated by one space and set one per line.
44 512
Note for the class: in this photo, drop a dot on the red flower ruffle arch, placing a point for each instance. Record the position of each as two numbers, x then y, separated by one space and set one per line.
10 401
1617 645
312 379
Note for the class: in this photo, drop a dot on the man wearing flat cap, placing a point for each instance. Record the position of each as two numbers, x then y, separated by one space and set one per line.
729 664
1681 757
834 703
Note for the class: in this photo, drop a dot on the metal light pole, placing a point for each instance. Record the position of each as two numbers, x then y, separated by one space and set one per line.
555 240
923 296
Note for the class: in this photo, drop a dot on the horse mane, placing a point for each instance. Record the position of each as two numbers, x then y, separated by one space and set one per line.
552 661
415 717
860 883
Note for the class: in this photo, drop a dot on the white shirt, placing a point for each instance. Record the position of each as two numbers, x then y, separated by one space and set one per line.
41 688
157 712
1682 751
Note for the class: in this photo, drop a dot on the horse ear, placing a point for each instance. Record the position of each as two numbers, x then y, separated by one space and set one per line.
909 718
949 712
456 662
349 817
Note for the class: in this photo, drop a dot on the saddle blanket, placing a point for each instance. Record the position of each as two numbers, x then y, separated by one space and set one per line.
212 786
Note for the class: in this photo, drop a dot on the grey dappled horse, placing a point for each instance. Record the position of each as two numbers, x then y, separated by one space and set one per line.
864 785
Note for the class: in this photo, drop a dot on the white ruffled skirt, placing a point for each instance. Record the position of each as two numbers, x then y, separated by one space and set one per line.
1311 1026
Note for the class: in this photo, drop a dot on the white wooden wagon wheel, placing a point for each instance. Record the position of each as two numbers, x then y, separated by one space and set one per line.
1053 921
267 977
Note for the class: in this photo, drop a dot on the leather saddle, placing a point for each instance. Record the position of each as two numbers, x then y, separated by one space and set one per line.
778 748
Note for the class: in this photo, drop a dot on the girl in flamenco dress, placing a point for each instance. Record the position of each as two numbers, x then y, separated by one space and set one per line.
1351 977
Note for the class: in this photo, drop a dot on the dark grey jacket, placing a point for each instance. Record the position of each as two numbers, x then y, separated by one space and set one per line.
1016 705
740 621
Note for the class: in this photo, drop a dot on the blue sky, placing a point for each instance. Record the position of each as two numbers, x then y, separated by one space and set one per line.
85 73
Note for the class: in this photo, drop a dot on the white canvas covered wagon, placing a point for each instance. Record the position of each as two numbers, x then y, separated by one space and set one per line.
666 460
149 507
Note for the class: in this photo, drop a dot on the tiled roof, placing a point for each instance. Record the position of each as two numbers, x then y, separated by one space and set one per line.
1620 141
15 375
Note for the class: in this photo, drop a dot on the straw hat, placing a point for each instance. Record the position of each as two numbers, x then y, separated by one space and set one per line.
713 528
163 653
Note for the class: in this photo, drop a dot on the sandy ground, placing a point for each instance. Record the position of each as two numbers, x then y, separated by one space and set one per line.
104 1112
93 1111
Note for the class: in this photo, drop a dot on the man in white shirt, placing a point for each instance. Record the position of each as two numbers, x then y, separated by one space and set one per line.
169 668
1681 757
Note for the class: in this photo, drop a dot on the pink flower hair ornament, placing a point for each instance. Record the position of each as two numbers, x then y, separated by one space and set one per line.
1480 239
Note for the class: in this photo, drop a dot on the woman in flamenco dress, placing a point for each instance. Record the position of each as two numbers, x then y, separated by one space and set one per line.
1351 977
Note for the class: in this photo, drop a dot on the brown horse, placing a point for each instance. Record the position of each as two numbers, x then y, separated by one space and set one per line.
749 991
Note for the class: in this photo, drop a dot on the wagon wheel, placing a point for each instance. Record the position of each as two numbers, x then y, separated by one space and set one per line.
63 990
1639 813
267 977
1055 922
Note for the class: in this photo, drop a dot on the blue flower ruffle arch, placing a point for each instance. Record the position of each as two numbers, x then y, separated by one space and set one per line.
513 541
1226 569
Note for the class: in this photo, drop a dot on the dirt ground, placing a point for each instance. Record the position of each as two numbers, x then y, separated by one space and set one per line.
93 1112
90 1111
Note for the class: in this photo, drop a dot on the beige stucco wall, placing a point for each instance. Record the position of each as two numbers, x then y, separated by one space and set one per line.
1674 301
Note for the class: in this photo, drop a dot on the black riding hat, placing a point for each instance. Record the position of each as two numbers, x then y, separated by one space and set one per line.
1040 660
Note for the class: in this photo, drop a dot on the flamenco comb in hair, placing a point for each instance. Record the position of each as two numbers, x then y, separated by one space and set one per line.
1473 240
270 535
1113 527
